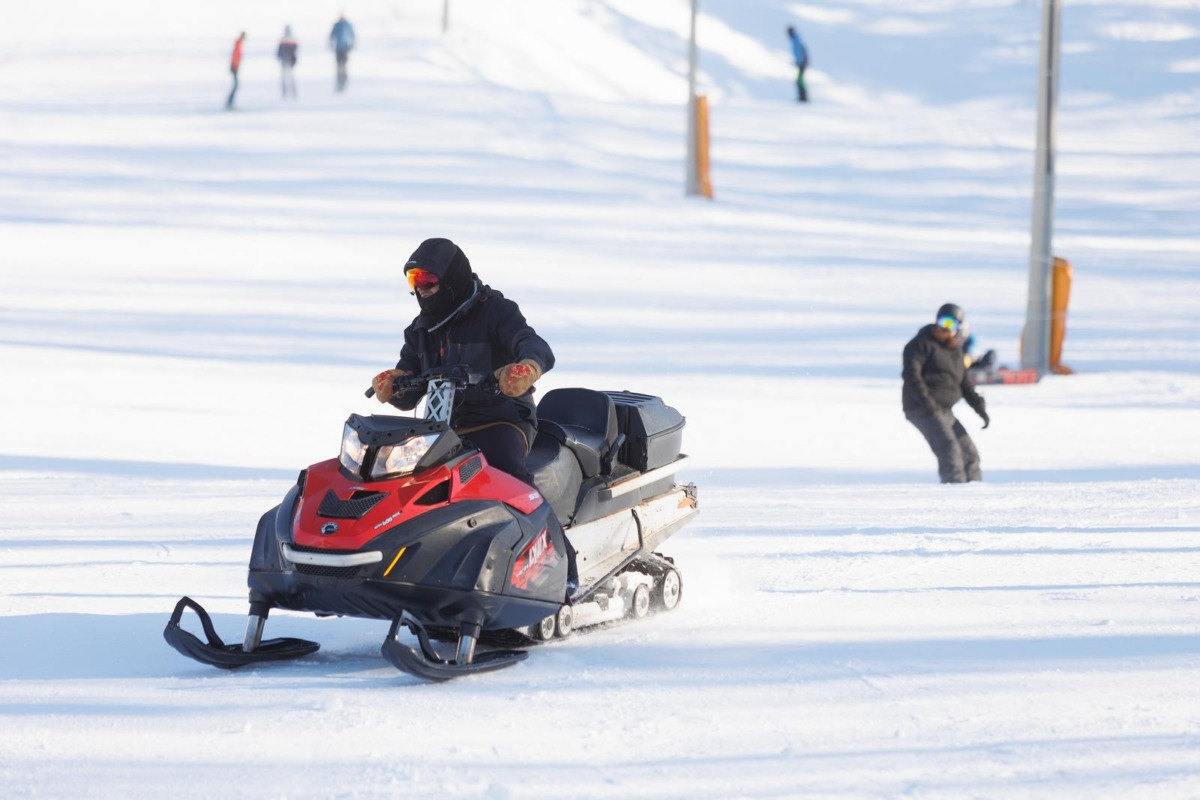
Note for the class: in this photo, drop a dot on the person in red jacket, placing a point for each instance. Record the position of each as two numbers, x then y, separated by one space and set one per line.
235 62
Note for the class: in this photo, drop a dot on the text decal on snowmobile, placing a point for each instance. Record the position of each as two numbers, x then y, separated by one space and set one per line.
387 521
532 560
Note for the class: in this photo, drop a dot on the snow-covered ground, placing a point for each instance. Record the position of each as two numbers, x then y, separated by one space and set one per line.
191 302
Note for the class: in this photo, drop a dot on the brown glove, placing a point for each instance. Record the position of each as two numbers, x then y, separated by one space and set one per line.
384 382
515 379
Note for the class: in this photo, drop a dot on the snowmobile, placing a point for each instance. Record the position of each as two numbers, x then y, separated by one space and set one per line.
411 525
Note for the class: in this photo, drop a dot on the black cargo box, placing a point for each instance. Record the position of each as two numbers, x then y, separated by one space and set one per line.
653 430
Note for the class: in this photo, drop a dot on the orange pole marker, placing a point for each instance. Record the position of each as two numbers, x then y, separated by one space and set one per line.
1060 294
702 163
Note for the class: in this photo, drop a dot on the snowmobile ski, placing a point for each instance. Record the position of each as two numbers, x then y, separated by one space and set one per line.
431 665
228 656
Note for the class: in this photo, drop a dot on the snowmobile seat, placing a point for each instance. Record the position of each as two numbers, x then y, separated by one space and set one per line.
586 425
555 470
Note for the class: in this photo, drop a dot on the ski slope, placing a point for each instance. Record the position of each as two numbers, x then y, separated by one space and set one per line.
192 301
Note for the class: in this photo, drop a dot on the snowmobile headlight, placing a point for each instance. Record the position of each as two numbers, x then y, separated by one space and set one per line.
353 450
401 459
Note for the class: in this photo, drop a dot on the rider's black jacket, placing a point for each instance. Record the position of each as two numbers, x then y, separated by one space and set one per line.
486 331
935 376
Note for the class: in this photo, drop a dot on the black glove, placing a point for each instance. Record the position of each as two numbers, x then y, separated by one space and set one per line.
983 415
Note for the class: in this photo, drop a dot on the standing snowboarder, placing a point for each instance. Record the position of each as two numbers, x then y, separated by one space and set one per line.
287 62
341 39
800 56
935 378
235 63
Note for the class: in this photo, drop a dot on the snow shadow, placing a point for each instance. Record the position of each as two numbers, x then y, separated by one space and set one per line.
786 663
113 647
862 43
785 477
60 465
89 646
104 647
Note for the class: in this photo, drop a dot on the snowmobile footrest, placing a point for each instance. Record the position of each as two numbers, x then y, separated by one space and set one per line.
227 656
428 664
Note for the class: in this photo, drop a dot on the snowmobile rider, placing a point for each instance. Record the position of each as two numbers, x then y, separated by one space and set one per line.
935 378
463 321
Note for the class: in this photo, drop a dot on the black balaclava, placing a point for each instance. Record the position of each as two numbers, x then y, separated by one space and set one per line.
445 259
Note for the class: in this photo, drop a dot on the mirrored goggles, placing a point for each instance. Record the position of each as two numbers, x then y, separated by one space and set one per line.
948 324
421 279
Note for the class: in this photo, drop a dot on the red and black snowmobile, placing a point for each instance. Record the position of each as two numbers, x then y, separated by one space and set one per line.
410 525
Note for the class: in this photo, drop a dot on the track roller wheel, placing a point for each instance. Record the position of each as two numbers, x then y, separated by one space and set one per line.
669 590
544 630
640 607
564 622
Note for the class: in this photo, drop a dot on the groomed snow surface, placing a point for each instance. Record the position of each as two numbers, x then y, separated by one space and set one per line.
192 301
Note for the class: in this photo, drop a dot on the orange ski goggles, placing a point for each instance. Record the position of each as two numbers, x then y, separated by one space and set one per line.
421 278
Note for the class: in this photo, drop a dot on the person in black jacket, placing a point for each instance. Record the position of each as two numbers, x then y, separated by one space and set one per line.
935 378
462 321
286 53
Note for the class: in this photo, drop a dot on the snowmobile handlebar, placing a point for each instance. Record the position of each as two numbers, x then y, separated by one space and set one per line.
459 374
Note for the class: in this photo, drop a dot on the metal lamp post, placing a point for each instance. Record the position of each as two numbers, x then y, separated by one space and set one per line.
1035 350
693 177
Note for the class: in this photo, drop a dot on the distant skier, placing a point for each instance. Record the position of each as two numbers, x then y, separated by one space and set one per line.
341 39
800 54
984 369
235 63
978 367
287 62
935 378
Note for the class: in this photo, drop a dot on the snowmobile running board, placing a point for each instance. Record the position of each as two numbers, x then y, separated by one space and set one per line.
431 666
228 656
